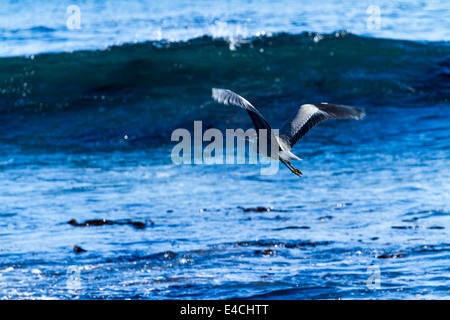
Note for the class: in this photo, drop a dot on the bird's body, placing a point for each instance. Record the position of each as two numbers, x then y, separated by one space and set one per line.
306 117
283 150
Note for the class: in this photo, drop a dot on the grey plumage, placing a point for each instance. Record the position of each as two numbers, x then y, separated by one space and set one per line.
310 115
226 96
302 121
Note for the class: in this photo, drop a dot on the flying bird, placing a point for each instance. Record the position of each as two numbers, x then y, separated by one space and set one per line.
306 118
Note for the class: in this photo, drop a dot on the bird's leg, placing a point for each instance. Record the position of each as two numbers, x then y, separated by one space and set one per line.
295 170
290 167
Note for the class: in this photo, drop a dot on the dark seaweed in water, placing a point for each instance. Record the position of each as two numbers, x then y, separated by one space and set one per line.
257 209
78 249
102 222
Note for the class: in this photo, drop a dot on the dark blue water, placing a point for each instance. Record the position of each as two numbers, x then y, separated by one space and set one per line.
86 135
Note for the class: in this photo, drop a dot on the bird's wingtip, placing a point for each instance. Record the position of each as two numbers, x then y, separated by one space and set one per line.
362 114
215 92
220 95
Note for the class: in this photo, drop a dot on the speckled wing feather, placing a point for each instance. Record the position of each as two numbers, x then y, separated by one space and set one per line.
226 96
310 115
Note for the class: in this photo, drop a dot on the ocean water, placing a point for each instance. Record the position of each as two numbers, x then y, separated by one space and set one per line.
86 118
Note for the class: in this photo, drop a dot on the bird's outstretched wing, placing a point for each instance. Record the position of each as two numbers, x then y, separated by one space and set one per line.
226 96
310 115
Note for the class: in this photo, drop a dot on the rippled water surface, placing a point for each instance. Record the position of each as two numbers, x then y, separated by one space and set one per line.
355 207
92 206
